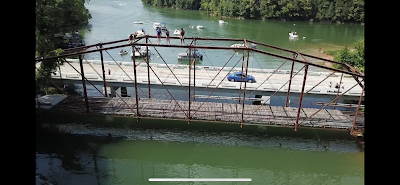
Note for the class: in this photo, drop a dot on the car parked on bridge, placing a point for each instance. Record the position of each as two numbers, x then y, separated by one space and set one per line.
239 76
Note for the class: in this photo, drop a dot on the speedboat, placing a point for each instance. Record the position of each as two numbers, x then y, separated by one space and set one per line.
140 51
293 34
222 22
138 22
140 32
157 25
242 45
163 26
185 55
237 45
123 53
199 27
177 32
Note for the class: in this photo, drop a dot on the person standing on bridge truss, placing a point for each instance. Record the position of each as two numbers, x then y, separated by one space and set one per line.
167 34
158 36
182 36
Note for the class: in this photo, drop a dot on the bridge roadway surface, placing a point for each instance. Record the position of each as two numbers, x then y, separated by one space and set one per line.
204 75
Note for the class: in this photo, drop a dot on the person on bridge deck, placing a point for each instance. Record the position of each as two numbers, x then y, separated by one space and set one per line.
182 36
109 72
131 38
330 84
337 85
158 36
167 34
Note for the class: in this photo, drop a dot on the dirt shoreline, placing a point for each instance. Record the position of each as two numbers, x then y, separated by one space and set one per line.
319 52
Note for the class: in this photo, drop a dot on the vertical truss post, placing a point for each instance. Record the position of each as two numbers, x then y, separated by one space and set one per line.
337 94
148 64
59 69
358 108
84 84
290 80
136 93
245 83
102 67
190 74
301 97
194 75
240 88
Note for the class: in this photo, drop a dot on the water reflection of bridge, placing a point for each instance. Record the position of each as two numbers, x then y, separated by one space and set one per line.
241 113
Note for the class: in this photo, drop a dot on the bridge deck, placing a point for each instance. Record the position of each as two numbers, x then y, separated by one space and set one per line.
211 111
204 76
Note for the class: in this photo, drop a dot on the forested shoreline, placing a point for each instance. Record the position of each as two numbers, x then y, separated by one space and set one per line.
55 17
339 11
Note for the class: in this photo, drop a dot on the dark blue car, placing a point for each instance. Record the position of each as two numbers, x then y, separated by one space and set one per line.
239 76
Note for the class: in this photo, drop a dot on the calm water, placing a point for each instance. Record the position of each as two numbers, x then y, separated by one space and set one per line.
113 20
85 155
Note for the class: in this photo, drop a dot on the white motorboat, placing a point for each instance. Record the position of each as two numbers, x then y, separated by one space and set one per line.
140 32
199 27
185 55
293 34
177 32
222 22
138 22
123 53
141 51
242 45
157 25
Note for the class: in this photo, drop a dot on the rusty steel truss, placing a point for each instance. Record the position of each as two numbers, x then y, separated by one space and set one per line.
79 51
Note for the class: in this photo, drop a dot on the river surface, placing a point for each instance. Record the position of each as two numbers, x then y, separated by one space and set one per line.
86 155
113 20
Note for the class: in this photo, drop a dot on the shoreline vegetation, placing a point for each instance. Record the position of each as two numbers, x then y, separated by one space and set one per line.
336 11
354 56
54 17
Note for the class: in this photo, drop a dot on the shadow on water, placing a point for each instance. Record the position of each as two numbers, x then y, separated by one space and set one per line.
67 149
77 149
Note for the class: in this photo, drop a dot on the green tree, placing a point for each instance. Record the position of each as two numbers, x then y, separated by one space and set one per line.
55 17
355 58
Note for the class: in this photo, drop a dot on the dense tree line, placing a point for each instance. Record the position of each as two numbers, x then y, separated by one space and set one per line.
315 10
55 17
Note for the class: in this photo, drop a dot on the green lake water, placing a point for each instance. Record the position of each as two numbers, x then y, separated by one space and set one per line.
113 20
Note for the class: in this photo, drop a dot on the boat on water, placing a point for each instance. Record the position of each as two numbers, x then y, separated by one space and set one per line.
177 32
123 53
185 55
222 22
162 26
138 22
140 32
199 27
140 51
293 34
251 45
